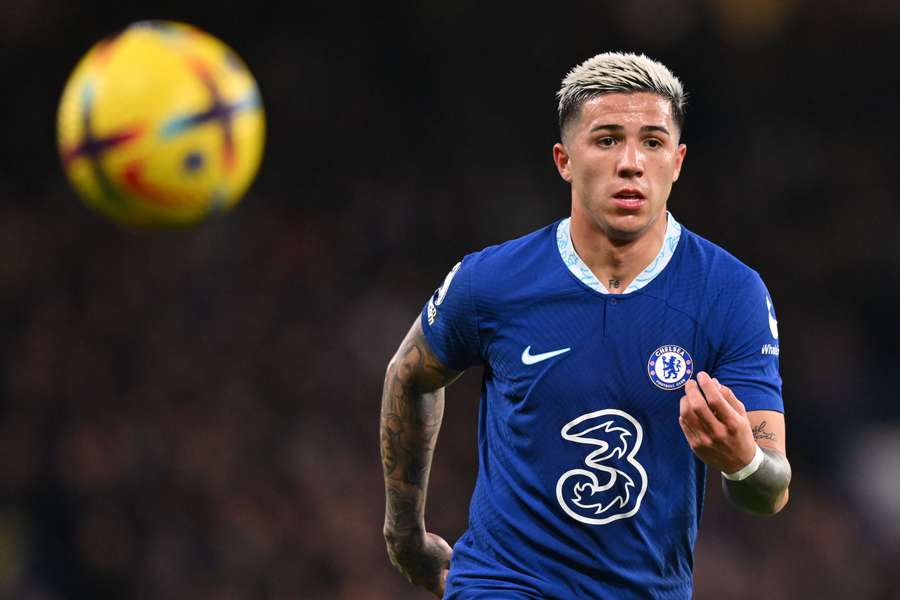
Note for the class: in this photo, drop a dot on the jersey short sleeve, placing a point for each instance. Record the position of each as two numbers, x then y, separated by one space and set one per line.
450 320
748 358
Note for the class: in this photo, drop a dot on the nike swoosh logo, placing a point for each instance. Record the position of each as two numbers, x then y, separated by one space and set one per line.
530 359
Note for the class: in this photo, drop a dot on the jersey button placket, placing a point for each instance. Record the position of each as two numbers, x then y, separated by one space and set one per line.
607 304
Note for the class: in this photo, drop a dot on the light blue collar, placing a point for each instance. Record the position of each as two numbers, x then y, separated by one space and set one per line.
583 273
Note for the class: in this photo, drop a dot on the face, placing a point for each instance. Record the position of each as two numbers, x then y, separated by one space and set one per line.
621 154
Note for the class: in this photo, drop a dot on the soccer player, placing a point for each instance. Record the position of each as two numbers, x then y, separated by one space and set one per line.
623 356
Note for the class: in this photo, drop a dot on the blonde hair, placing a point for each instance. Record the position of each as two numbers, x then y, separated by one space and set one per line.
611 72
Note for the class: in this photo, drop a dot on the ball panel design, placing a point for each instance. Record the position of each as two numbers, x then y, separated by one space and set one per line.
141 104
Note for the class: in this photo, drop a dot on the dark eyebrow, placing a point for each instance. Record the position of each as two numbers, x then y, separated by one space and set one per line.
659 128
644 129
610 127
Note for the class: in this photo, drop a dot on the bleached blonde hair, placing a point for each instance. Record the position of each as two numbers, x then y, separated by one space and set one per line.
611 72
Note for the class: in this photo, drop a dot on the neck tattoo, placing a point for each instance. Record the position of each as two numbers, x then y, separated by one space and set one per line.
614 283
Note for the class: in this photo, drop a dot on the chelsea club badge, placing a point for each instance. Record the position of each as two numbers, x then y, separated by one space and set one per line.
670 367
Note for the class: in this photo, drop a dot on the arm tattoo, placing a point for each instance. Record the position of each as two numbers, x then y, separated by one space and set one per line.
760 433
762 492
412 407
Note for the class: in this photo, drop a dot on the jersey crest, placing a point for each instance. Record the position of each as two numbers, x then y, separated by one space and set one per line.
670 367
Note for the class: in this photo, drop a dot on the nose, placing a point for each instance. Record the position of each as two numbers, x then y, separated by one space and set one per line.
631 161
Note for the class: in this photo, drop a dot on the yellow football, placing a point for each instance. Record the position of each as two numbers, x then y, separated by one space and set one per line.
160 126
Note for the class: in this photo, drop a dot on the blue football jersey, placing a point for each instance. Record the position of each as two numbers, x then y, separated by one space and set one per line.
586 486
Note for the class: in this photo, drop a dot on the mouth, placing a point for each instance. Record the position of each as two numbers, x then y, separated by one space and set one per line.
629 199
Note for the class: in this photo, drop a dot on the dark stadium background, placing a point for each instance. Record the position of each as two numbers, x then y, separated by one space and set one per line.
193 414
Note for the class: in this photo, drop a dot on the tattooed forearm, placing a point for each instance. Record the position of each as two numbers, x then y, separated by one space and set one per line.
403 508
412 407
760 433
405 451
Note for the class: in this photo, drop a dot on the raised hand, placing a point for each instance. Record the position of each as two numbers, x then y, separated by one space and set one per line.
715 424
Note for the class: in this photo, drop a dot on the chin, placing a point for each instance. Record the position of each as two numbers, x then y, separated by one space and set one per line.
627 227
632 225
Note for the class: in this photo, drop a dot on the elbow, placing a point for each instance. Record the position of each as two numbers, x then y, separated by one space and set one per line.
395 373
399 376
390 370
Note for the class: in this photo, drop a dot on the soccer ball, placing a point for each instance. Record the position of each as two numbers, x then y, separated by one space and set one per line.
160 126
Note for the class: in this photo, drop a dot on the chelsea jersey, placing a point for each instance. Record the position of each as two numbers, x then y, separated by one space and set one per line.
586 486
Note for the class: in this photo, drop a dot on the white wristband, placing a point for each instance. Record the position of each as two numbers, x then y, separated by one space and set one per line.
748 470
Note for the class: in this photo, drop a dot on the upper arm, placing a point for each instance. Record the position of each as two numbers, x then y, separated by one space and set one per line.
445 339
449 321
417 366
748 361
768 429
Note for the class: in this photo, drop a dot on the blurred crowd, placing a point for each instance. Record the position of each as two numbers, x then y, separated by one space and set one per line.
193 413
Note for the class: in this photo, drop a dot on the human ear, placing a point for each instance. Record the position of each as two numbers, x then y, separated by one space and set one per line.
679 160
561 159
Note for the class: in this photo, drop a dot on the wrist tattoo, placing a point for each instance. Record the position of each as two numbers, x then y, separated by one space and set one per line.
760 433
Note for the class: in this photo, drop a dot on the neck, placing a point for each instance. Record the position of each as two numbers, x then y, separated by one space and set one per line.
614 261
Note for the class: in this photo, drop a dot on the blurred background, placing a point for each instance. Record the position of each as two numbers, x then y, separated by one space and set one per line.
193 413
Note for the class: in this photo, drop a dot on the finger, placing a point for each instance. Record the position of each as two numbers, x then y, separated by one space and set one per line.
686 415
719 407
698 414
732 400
689 434
689 406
